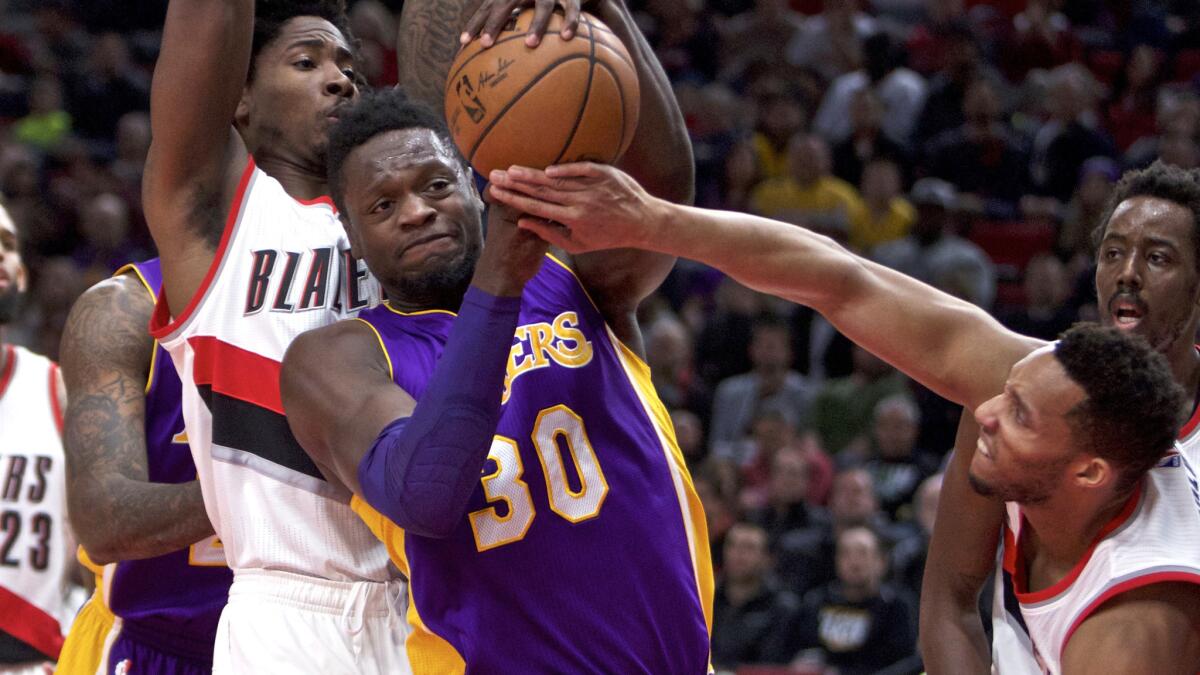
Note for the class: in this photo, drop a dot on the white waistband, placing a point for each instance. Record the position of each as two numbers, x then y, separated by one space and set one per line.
367 598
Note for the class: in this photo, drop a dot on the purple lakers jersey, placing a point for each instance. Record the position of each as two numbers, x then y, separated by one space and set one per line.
170 601
584 548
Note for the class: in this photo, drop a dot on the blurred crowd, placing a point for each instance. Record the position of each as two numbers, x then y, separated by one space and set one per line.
969 144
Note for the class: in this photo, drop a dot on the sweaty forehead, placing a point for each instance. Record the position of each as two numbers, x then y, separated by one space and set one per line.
403 148
1044 384
1144 216
309 28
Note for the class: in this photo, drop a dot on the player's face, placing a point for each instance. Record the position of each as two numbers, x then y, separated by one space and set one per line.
12 270
302 79
1026 444
413 215
1146 279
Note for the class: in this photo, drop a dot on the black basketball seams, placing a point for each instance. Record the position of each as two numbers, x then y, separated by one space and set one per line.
517 97
587 90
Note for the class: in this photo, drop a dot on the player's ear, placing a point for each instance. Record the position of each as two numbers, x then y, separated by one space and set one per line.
1094 472
242 114
22 278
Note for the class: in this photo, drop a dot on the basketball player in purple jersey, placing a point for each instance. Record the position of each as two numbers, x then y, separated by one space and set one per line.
161 575
510 452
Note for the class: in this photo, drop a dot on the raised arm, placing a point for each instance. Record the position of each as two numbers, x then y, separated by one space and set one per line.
190 175
947 344
116 512
961 555
1150 630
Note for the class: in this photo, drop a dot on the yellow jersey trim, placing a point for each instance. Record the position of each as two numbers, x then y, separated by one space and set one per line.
393 310
691 509
427 651
391 370
126 269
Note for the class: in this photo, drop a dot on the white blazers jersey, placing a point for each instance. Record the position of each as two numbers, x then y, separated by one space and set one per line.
1152 540
1012 649
283 267
35 543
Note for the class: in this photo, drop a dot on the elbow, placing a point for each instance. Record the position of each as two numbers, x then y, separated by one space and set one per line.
431 510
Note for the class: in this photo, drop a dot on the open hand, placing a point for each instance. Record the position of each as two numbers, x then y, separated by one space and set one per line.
579 207
489 19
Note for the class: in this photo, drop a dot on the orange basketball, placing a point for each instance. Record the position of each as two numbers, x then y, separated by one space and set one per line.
563 101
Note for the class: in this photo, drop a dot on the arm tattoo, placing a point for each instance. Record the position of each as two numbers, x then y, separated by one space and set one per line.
427 43
116 512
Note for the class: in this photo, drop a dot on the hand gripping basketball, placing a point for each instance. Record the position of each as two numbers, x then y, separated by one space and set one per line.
563 101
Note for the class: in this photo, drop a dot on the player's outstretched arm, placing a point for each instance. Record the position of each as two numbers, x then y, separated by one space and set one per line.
190 178
416 464
1146 631
116 513
962 553
947 344
430 33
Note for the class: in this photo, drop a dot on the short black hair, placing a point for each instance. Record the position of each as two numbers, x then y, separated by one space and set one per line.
377 112
271 15
1161 180
1132 407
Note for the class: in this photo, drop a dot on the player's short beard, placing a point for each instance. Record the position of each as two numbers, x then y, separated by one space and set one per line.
1038 487
442 287
10 304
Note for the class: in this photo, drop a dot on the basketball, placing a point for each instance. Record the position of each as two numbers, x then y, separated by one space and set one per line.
562 101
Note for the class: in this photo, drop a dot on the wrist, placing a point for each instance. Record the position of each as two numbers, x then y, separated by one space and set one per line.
496 303
654 230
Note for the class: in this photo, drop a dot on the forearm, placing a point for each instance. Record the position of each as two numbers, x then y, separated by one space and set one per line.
422 469
118 518
951 637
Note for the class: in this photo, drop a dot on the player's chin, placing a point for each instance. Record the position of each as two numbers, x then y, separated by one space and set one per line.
980 483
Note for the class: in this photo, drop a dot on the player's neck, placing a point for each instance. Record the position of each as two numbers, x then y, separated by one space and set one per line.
3 351
298 180
1063 529
1185 366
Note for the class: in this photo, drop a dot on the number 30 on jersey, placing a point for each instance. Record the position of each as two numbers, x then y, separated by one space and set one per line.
506 486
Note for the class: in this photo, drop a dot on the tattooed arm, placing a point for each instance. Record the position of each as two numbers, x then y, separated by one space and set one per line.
426 43
116 512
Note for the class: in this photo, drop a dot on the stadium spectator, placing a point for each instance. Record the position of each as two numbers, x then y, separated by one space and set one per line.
107 88
900 93
981 157
810 196
798 531
934 253
897 466
1046 312
749 607
842 407
889 215
866 140
1071 136
770 382
830 43
859 624
669 355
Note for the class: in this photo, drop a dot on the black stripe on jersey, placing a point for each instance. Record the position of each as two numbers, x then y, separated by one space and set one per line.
1011 605
258 431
